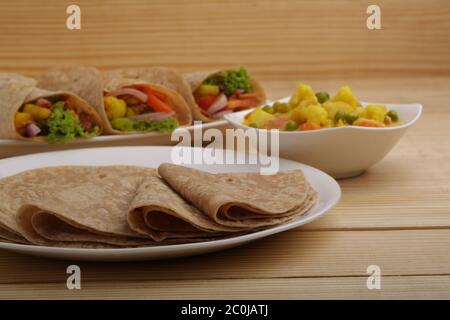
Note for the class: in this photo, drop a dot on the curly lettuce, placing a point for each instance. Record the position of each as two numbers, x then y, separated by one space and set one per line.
167 125
231 81
63 126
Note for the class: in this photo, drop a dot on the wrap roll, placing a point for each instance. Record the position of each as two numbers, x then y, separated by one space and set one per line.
19 110
103 92
237 100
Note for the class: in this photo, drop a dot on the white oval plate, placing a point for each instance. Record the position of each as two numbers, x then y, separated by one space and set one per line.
327 187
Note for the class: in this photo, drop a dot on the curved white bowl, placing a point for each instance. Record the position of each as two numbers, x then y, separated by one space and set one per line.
341 152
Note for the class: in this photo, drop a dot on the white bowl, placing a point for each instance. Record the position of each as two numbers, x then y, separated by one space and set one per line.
341 152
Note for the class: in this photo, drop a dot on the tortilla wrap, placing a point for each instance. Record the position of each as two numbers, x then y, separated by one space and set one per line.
163 76
16 90
245 200
195 79
81 205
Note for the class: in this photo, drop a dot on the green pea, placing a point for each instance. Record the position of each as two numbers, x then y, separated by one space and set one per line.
322 96
281 107
393 115
268 109
351 117
291 125
339 115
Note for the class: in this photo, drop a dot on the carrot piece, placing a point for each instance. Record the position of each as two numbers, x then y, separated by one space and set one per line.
309 126
241 103
149 90
157 105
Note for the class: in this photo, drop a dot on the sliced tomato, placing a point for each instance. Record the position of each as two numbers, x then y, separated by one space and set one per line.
205 101
242 103
149 90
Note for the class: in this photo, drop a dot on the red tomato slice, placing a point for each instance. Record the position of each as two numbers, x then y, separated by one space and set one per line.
205 101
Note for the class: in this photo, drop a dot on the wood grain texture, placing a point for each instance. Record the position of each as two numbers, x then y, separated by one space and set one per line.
396 215
406 287
287 38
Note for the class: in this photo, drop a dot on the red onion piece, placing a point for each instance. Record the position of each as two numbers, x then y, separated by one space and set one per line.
42 102
219 115
218 104
32 130
152 116
131 92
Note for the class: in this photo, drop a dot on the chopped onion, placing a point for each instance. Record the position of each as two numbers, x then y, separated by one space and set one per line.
152 116
220 115
218 104
42 102
32 130
131 92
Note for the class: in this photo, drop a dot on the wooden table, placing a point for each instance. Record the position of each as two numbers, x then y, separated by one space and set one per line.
396 216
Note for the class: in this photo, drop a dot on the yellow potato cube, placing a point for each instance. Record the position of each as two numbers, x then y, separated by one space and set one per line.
22 118
115 107
259 118
345 94
313 113
303 92
374 112
38 113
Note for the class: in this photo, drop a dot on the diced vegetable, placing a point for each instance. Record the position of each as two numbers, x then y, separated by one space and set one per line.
374 112
205 101
32 130
115 107
218 104
345 94
22 119
208 89
38 113
277 123
158 105
130 92
150 91
42 102
363 122
309 126
241 103
302 93
259 117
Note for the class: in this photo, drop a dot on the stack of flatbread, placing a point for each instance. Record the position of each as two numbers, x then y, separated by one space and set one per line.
125 206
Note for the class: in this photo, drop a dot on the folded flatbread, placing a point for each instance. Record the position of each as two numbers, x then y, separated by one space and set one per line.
242 200
79 205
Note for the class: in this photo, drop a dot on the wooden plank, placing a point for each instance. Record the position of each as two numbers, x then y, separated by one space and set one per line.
395 287
275 38
291 254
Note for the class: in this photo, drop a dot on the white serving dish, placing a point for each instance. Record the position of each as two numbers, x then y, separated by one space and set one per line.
327 188
10 148
341 152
